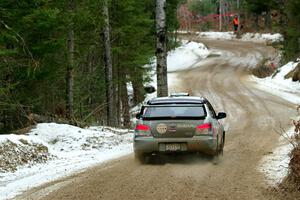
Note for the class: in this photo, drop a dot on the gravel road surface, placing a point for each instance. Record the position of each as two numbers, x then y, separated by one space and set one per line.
252 117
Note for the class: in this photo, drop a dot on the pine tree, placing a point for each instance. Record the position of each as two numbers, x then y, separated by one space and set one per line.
111 119
52 58
70 67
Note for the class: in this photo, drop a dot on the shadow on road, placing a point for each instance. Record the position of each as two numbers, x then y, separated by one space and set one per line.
183 158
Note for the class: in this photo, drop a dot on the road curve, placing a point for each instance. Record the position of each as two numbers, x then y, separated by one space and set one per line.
252 116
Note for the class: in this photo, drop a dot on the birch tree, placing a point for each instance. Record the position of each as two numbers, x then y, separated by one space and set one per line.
161 48
108 67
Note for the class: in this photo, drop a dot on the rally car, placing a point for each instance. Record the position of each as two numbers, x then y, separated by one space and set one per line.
178 123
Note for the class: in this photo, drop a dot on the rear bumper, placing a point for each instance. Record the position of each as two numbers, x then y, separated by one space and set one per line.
205 144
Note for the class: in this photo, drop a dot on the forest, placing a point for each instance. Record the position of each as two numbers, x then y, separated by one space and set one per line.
53 55
52 58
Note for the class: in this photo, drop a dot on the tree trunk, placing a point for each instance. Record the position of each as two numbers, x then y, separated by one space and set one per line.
90 72
161 49
268 23
137 86
220 16
256 21
108 67
70 67
116 95
124 100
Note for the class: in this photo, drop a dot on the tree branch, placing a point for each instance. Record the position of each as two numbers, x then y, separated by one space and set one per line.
25 48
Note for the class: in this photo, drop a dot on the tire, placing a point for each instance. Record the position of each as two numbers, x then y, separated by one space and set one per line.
223 144
218 149
223 141
218 152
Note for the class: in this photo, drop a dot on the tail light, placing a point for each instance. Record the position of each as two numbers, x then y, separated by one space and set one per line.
142 130
203 128
142 127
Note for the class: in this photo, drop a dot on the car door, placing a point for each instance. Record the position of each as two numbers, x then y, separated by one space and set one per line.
216 124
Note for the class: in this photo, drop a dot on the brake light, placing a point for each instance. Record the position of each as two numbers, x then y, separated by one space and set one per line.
142 130
142 127
203 128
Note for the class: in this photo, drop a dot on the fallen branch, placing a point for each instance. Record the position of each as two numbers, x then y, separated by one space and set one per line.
98 108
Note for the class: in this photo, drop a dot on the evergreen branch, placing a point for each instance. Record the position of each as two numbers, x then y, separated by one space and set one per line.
25 48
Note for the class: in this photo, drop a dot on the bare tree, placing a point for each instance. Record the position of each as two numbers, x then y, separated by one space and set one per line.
70 66
161 48
111 118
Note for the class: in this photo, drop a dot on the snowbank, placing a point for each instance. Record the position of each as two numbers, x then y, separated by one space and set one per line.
276 164
278 85
217 35
268 37
251 37
181 58
185 56
72 149
16 151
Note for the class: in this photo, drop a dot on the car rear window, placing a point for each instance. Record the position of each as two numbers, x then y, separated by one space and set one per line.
174 112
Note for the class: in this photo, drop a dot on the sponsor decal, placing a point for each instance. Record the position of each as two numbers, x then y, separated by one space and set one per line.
161 128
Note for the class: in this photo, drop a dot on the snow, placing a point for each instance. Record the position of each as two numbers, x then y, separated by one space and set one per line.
279 86
275 165
251 37
186 56
217 35
73 149
268 37
183 57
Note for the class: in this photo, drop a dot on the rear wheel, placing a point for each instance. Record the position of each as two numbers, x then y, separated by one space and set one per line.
222 144
218 152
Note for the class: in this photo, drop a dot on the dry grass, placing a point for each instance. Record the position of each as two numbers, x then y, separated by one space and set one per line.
263 70
14 155
294 165
289 189
292 181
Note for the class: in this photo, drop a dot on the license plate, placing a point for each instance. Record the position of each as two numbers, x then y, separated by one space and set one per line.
172 147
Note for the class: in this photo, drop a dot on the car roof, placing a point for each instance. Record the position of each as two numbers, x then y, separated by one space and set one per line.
176 100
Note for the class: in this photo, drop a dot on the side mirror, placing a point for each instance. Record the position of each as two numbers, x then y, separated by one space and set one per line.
221 115
138 116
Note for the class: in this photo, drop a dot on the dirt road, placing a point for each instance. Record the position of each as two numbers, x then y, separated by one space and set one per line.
252 115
